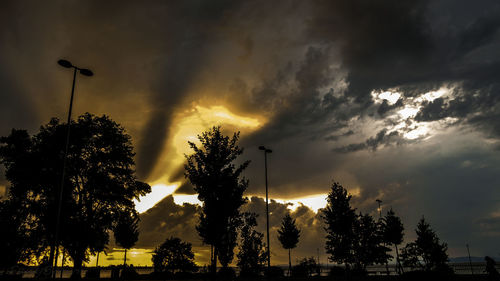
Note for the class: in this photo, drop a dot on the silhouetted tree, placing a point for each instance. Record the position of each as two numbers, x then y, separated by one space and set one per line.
216 179
98 185
393 233
126 232
368 245
252 254
288 235
426 252
339 218
173 256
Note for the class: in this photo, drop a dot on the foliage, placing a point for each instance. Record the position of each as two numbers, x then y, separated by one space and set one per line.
393 229
393 232
126 232
217 181
252 254
351 239
173 256
288 235
339 218
17 243
306 268
426 252
99 182
368 245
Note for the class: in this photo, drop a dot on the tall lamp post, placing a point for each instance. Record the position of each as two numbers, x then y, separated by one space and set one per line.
55 245
379 208
266 151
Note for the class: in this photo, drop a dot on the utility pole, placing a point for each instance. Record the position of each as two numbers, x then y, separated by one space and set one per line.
266 151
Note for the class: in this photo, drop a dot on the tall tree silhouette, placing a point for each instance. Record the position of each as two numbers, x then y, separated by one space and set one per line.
173 255
339 218
368 245
427 252
288 235
393 233
251 255
126 232
218 182
99 181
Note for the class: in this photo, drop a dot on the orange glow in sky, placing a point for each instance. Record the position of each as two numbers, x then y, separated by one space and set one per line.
190 123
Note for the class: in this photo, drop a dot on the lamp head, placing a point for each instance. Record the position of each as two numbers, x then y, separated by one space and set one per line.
64 63
262 148
86 72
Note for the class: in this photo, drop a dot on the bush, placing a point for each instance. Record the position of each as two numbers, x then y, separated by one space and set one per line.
129 273
337 271
274 272
418 275
93 273
306 267
226 273
163 275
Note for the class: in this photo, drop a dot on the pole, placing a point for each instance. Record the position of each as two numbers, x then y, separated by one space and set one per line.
470 261
59 206
379 209
267 214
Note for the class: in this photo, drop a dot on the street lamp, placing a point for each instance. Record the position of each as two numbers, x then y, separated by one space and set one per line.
266 151
379 209
55 245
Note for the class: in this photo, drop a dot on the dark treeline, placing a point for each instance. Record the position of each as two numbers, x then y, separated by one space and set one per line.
100 184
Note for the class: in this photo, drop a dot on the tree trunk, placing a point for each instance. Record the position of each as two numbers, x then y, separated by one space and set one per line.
289 263
62 264
125 259
398 264
51 258
214 263
77 268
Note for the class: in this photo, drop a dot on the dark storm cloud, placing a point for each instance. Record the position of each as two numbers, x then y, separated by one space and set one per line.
382 138
376 39
168 219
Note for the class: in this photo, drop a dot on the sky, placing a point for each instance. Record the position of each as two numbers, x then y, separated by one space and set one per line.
396 100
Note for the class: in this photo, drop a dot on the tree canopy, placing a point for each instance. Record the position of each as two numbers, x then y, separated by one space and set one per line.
351 239
251 255
427 252
288 235
173 256
339 218
99 184
393 233
220 186
126 232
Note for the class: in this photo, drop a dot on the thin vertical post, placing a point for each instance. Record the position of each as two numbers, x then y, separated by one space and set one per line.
59 205
470 261
267 214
